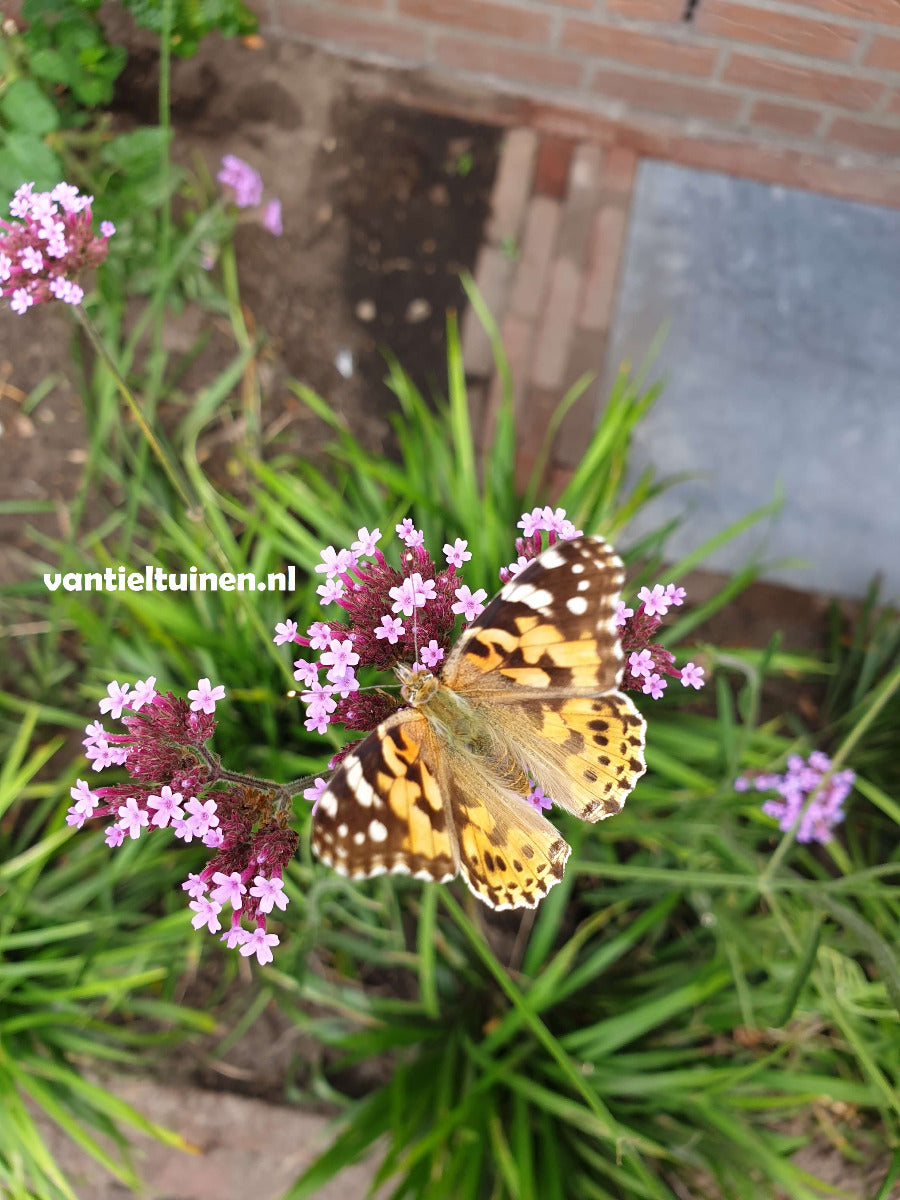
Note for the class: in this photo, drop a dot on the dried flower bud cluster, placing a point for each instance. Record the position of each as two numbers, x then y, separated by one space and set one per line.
177 783
47 246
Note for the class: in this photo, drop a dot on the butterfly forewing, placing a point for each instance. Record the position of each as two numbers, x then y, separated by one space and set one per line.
550 630
384 810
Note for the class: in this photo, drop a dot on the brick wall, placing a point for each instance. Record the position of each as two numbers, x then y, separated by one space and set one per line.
818 76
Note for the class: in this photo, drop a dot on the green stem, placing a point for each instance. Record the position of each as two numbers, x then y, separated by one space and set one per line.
251 399
100 346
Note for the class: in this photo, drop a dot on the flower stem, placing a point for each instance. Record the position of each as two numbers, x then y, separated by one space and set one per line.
100 346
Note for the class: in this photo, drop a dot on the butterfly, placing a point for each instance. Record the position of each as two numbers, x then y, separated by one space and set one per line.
527 695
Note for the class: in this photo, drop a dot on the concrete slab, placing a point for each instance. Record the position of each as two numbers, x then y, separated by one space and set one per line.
240 1148
783 369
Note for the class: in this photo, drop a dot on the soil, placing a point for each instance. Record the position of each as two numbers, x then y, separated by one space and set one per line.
382 209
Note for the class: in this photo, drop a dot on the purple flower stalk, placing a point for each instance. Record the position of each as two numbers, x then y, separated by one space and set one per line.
47 245
246 187
802 794
176 783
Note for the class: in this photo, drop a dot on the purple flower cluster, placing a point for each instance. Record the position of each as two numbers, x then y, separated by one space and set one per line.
246 187
646 661
177 783
803 794
47 245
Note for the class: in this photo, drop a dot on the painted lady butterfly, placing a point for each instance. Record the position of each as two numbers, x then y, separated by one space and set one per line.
528 693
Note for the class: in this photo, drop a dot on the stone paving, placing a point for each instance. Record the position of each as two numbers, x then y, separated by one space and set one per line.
547 271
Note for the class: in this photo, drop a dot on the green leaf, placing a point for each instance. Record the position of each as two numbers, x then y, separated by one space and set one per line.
25 107
25 157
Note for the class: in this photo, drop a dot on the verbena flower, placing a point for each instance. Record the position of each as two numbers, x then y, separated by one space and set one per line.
245 187
801 793
47 245
646 661
177 784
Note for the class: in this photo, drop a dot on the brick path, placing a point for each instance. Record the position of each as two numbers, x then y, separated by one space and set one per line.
548 270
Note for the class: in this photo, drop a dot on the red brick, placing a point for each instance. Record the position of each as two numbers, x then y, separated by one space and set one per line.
846 91
352 32
625 45
607 240
800 35
648 10
885 12
787 118
551 352
619 166
512 186
472 54
530 280
666 96
894 103
572 3
373 5
507 20
884 53
552 168
863 135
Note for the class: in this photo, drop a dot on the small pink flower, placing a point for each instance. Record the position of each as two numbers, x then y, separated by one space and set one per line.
132 818
207 913
115 700
142 693
203 698
115 836
640 663
431 654
365 543
458 553
468 603
260 943
390 628
195 886
306 672
654 686
622 614
270 892
285 631
656 603
166 806
230 889
692 676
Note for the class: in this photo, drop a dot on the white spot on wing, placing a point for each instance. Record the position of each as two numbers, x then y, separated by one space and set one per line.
577 605
377 831
552 558
328 804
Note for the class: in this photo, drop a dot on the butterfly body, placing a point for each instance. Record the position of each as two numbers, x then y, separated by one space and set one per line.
528 695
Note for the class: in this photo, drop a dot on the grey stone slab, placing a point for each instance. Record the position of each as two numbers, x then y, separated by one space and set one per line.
782 363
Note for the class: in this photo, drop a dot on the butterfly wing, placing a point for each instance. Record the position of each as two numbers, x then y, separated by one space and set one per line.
550 631
586 753
385 810
401 802
541 664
